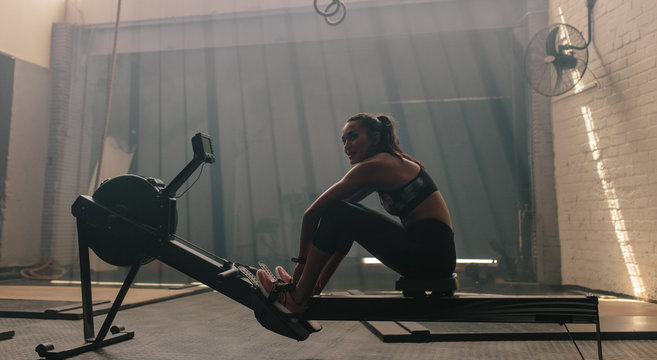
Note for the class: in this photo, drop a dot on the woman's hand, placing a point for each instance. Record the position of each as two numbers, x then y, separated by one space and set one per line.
298 270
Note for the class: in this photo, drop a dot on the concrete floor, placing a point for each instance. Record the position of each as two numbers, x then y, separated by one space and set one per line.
211 326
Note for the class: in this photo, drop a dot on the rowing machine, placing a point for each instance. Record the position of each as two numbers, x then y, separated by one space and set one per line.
131 220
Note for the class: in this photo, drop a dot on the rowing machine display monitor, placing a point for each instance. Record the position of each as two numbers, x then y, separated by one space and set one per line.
202 146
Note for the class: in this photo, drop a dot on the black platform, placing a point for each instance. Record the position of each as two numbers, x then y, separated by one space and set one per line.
620 319
612 328
6 334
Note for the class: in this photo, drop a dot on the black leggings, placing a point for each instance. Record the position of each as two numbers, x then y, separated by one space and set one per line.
425 249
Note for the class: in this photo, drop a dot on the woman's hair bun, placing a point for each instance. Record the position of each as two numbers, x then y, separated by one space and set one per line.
385 120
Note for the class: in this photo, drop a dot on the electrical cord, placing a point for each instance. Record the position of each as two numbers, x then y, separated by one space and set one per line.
190 186
33 273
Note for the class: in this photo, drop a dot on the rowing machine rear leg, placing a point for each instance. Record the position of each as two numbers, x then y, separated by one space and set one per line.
93 341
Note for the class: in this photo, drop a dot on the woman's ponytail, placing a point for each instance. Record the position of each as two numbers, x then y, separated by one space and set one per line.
387 126
389 142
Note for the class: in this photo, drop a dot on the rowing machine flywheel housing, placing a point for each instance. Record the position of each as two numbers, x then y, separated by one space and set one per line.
140 200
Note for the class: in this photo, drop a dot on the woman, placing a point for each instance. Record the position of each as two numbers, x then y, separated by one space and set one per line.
421 247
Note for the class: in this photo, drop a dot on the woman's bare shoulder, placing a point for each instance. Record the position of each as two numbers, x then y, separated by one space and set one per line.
390 162
381 159
384 170
371 170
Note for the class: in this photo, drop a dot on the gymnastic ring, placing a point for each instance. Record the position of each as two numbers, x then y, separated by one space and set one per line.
341 18
326 13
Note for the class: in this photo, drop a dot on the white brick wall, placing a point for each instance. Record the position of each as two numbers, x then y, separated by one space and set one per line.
607 199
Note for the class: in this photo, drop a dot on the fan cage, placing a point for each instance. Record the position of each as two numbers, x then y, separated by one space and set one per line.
551 75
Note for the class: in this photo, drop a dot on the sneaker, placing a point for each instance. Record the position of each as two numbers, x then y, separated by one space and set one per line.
283 275
284 301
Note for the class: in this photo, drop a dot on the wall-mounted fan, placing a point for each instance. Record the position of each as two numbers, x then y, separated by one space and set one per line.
556 57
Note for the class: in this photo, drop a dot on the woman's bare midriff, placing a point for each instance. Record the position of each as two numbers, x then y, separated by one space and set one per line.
433 207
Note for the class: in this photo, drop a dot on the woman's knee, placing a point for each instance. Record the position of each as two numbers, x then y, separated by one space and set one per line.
332 227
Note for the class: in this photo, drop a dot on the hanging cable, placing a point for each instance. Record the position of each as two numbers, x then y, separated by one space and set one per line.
328 11
109 94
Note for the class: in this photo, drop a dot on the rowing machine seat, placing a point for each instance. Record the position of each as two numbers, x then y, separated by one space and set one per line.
444 287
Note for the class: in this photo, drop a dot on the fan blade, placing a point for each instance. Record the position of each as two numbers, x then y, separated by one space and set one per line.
551 42
557 84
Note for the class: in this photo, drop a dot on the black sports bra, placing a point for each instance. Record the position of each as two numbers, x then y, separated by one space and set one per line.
402 201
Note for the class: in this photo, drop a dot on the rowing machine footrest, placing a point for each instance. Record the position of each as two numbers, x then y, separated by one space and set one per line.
419 287
230 271
284 324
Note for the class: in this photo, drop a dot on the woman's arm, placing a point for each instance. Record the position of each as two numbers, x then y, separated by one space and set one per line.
356 183
359 195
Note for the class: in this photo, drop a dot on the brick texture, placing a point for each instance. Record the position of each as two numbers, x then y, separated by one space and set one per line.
605 146
546 236
58 227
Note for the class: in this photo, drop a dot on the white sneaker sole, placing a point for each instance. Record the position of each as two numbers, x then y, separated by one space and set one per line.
277 304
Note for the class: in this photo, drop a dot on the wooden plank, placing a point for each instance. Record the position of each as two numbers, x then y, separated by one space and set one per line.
387 331
414 328
103 297
75 306
626 307
398 331
72 293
